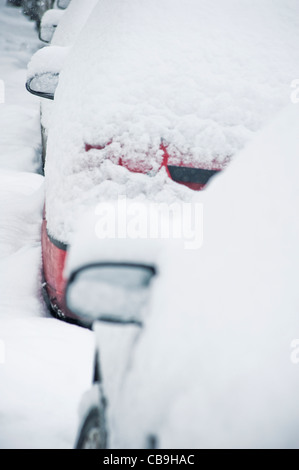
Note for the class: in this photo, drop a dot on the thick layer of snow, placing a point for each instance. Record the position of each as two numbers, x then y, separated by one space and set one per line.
47 60
51 18
118 231
47 364
204 76
68 29
19 124
72 21
212 367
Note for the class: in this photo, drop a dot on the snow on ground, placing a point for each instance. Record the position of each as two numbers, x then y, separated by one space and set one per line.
47 363
19 141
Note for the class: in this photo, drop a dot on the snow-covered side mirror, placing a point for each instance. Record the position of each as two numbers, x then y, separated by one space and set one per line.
110 292
49 23
63 4
43 85
43 71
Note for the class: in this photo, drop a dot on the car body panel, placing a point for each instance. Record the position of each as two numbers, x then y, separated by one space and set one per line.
53 256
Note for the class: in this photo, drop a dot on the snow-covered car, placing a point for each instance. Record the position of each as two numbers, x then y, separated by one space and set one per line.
63 4
51 18
207 358
15 3
60 28
36 8
145 111
110 282
49 22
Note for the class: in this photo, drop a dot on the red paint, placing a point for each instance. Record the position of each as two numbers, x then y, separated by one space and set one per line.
137 167
194 186
54 256
53 266
165 159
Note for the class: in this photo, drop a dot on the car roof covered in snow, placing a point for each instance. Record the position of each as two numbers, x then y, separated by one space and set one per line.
202 76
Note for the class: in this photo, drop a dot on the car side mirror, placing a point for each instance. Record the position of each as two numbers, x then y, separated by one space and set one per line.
49 23
110 292
43 85
44 69
63 4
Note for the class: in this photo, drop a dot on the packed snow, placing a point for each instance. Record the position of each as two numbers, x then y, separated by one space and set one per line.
47 60
19 141
69 27
48 364
49 23
212 367
203 76
72 21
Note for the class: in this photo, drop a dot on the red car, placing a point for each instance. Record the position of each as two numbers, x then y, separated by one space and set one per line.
54 251
90 155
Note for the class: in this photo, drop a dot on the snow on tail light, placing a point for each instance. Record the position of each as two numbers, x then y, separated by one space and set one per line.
135 166
194 177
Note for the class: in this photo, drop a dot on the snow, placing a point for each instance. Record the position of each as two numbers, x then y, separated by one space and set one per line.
47 60
51 17
104 234
19 141
212 367
69 27
49 22
197 74
213 362
72 21
47 364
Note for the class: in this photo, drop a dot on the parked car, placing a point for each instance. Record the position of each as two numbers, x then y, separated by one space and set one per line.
111 282
166 164
149 113
60 28
15 3
63 4
195 349
36 8
49 22
135 115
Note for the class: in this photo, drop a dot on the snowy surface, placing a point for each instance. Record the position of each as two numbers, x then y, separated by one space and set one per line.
49 23
19 141
47 363
72 21
204 76
51 17
213 363
68 29
213 366
94 241
47 60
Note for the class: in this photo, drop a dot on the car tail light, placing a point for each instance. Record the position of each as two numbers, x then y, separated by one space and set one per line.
189 175
194 177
